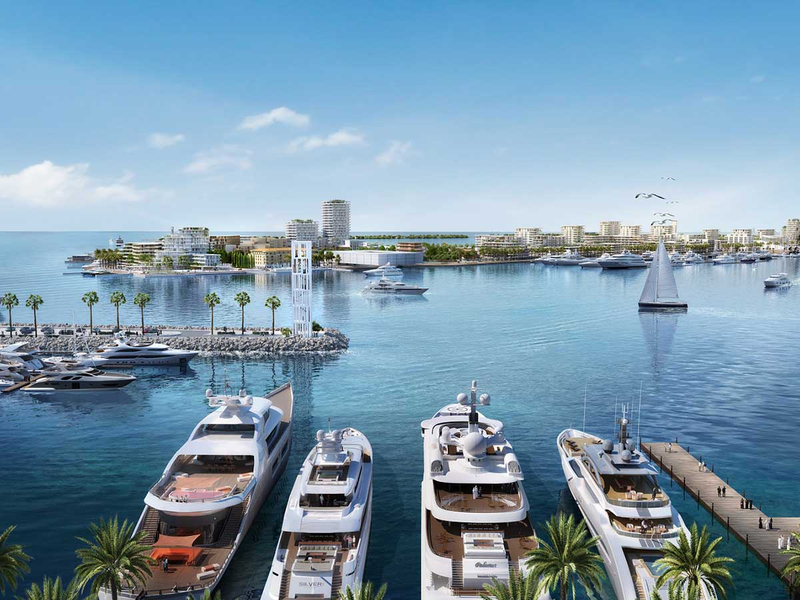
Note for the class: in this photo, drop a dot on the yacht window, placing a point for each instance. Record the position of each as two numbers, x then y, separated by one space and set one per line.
245 428
325 501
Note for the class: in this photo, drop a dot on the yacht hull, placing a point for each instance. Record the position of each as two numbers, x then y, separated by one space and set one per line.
662 306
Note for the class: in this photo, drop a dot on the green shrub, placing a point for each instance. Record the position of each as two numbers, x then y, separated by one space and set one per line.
316 326
286 332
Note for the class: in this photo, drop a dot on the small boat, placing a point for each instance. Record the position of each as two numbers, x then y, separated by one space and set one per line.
83 380
623 260
593 263
778 280
660 290
387 286
725 259
387 270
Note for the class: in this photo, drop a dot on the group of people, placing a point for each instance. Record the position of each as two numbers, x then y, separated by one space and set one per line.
787 541
761 523
745 503
722 491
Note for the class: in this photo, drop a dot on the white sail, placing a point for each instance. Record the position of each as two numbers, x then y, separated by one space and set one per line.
660 287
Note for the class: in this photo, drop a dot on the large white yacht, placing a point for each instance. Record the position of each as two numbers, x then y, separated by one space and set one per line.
725 259
593 263
570 258
125 353
777 280
60 380
475 522
387 270
616 489
198 513
623 260
387 286
322 549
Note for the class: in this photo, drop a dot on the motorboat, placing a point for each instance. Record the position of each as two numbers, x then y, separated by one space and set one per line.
570 258
764 255
616 489
387 270
691 258
547 259
322 549
593 263
778 280
387 286
623 260
648 255
126 353
725 259
56 380
748 257
675 259
660 291
21 355
198 513
475 524
12 372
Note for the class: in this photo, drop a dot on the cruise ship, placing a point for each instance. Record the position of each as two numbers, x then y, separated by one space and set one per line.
475 522
616 489
322 548
198 513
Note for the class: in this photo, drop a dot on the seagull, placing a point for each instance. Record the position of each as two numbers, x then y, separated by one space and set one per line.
649 196
663 215
669 178
673 202
664 222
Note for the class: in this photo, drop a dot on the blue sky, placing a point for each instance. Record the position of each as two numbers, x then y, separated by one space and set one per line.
427 116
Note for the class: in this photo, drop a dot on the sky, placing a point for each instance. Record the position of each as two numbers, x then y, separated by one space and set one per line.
427 116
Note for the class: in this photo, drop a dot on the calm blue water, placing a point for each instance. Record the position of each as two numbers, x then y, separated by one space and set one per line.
722 377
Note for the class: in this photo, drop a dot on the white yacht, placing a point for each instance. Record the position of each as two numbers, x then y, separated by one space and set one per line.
778 280
616 489
387 270
12 372
78 260
55 380
198 513
691 258
570 258
676 259
475 522
322 549
387 286
594 263
623 260
125 353
21 355
725 259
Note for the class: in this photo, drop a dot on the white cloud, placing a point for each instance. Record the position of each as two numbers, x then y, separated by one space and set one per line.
50 185
394 154
224 157
164 140
758 78
277 115
343 137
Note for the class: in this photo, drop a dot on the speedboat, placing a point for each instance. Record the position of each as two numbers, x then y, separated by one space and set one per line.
547 259
475 522
12 372
387 286
764 255
617 491
56 380
387 270
569 259
125 353
623 260
322 549
725 259
200 510
593 263
648 255
778 280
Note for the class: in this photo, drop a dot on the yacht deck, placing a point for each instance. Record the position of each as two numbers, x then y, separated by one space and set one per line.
445 538
460 498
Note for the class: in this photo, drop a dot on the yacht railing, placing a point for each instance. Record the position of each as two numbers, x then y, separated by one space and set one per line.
164 495
638 503
649 534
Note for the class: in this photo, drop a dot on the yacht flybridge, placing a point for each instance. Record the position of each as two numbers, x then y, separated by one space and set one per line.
125 353
323 545
616 489
199 511
475 523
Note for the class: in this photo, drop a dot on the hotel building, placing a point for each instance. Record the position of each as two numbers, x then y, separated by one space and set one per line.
336 221
631 231
498 241
740 236
264 258
573 234
410 247
188 241
302 230
609 228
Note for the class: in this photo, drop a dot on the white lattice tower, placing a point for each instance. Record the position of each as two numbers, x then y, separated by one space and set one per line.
301 288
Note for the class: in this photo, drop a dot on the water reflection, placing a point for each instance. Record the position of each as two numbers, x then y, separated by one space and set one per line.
658 330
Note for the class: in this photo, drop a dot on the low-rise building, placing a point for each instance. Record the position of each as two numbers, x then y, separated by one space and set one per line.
188 241
630 231
264 258
740 236
353 244
765 233
135 251
711 235
667 232
573 234
609 228
527 234
410 247
376 258
498 241
225 242
544 240
302 230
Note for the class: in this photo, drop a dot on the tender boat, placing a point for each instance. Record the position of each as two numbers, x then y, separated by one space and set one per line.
660 290
387 286
623 260
387 270
57 380
725 259
475 522
322 549
125 353
198 513
778 280
593 263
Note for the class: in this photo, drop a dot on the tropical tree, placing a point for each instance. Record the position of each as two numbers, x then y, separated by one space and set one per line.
242 299
9 301
273 303
142 300
34 302
112 558
207 595
692 565
674 594
568 558
13 562
791 570
116 299
520 586
147 260
167 263
91 298
365 591
52 589
211 301
185 261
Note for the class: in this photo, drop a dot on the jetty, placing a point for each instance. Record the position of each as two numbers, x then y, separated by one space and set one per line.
702 483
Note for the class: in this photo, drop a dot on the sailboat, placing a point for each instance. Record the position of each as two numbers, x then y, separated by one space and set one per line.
660 290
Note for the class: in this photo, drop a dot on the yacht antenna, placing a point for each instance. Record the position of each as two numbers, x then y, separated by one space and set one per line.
585 389
615 419
639 417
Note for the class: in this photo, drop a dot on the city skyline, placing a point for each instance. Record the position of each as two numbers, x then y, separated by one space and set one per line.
454 117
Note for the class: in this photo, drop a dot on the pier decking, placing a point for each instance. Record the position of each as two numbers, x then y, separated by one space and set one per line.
743 523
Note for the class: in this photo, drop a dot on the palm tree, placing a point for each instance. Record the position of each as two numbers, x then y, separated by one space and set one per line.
791 570
674 594
10 301
211 301
519 587
274 303
242 299
34 302
141 300
113 558
116 299
365 591
91 298
13 562
207 595
566 559
692 565
52 589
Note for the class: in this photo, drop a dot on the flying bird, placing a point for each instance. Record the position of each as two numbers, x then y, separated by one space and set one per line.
649 196
663 215
673 202
669 178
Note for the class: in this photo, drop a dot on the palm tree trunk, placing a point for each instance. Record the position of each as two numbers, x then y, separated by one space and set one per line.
142 308
117 317
10 323
243 320
35 325
91 322
113 590
212 320
563 593
273 321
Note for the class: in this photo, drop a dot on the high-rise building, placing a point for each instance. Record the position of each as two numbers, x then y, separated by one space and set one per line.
609 228
740 236
528 234
336 221
792 231
630 231
573 234
711 235
667 232
302 230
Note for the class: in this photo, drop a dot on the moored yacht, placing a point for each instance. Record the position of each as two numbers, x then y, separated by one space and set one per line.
322 549
725 259
778 280
387 270
475 522
593 262
387 286
692 258
61 380
623 260
570 258
198 513
125 353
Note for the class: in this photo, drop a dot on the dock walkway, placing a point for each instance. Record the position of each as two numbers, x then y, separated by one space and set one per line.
743 523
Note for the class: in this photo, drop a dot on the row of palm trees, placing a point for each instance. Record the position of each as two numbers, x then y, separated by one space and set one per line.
10 301
212 300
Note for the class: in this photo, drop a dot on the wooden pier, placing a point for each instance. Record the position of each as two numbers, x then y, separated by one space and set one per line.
742 523
20 384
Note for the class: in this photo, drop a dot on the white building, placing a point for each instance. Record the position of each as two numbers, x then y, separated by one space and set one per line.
630 231
740 236
302 230
667 232
134 252
573 234
498 241
377 258
545 240
528 234
765 233
791 232
609 228
336 221
711 235
188 241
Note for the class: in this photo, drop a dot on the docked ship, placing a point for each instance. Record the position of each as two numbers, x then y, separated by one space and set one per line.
387 270
623 260
198 513
475 522
323 544
125 353
387 286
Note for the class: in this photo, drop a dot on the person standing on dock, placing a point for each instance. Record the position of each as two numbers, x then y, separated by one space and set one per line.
780 543
769 525
741 503
669 447
724 490
719 492
760 523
